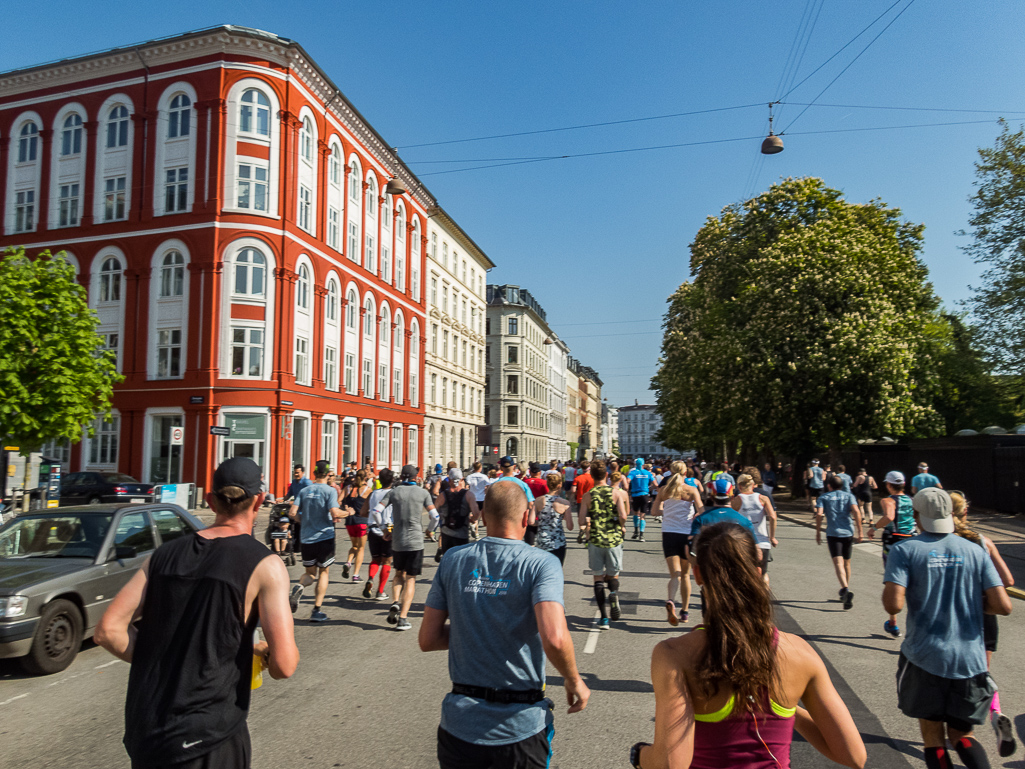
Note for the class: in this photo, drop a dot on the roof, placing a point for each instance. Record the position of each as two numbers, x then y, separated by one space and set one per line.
414 184
459 233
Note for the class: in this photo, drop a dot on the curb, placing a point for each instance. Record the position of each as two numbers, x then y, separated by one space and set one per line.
1014 592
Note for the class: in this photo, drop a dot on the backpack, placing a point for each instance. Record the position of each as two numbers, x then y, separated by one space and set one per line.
455 517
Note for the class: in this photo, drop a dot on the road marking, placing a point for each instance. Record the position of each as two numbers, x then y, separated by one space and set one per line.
592 636
12 699
868 547
106 664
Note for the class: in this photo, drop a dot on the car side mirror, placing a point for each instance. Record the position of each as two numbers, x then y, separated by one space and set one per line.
124 552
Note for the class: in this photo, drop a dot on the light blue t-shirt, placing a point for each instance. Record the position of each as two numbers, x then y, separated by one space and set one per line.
817 474
845 479
718 515
837 507
315 503
489 589
522 485
640 481
944 577
924 481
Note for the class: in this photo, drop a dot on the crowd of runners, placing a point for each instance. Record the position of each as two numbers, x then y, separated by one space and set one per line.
727 694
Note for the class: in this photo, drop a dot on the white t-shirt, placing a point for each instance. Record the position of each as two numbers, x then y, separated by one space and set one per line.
751 506
478 484
677 515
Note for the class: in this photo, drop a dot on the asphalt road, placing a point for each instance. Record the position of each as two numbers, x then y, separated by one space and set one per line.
365 696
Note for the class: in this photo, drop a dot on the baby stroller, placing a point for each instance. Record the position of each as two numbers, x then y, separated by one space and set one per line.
279 527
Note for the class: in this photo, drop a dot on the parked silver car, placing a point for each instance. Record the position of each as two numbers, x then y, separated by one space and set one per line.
60 569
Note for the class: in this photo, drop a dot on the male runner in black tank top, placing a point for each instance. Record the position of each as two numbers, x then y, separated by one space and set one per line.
199 598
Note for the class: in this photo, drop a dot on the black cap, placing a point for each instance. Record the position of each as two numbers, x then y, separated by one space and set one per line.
409 472
535 468
506 462
241 472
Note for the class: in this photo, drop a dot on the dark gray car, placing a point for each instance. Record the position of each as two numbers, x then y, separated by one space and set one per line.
60 569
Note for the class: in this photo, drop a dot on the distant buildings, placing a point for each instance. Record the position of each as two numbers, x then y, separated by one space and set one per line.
637 427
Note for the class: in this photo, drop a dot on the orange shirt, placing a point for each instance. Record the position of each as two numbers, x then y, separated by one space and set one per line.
584 483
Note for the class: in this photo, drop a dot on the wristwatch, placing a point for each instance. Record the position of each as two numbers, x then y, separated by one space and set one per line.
635 754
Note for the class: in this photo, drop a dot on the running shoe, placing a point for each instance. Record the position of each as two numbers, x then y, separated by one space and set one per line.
393 613
893 629
357 578
318 616
403 624
603 623
684 616
368 589
1005 733
674 620
636 535
345 571
848 600
658 519
294 596
383 597
614 601
843 592
641 538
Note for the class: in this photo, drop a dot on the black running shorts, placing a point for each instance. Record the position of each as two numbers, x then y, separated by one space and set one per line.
815 493
232 753
766 554
320 554
961 703
411 562
990 632
532 753
675 544
379 546
840 547
639 504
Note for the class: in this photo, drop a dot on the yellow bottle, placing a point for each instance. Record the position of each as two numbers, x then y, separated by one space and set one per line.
258 668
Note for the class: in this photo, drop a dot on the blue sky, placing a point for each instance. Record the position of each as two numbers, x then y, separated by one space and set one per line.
602 241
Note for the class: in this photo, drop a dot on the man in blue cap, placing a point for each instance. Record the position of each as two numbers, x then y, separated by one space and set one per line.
641 481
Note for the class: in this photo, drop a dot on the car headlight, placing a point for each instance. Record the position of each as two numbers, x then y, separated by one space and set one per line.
13 606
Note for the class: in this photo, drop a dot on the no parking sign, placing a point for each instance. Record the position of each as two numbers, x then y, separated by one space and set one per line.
177 436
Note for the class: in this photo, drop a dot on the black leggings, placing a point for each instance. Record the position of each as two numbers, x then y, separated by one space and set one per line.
560 553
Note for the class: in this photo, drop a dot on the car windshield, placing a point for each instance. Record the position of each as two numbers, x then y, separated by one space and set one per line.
54 536
117 478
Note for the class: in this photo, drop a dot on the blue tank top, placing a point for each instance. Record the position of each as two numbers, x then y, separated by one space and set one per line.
904 516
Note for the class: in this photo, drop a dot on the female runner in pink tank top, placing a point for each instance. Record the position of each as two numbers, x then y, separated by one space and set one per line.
727 693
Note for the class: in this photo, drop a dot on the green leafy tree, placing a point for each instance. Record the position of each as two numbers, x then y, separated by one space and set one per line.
55 376
804 326
997 232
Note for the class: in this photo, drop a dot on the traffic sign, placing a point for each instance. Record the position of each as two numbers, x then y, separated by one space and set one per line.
218 430
177 436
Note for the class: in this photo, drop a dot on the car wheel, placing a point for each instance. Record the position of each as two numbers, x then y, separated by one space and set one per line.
94 500
57 641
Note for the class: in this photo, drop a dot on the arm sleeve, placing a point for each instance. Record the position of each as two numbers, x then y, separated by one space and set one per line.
436 597
897 566
548 585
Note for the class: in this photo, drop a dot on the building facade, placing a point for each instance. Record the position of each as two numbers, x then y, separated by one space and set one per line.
517 371
610 429
456 276
637 427
585 409
558 407
229 213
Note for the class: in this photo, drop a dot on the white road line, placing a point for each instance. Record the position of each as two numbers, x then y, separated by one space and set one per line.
12 699
106 664
592 636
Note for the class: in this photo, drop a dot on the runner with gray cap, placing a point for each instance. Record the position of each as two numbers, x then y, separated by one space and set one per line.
947 583
898 524
408 503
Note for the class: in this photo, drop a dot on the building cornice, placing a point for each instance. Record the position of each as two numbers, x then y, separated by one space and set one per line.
459 235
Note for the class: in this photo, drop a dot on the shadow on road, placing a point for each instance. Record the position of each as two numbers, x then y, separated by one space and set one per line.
596 683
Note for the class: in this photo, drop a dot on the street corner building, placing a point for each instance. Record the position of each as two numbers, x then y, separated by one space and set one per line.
253 248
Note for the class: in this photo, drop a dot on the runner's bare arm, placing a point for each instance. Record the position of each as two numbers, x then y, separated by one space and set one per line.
656 506
998 562
116 631
856 517
474 508
282 654
558 647
996 601
434 630
585 505
674 714
893 598
622 507
770 513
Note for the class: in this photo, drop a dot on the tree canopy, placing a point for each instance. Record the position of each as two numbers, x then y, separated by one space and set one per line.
804 326
997 232
55 376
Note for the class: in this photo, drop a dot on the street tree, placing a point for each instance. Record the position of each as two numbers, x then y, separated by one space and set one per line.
55 376
997 232
803 327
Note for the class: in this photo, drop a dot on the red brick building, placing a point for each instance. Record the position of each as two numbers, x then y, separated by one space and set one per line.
225 207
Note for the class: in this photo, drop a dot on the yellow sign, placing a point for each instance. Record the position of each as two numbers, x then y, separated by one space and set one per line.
12 448
52 502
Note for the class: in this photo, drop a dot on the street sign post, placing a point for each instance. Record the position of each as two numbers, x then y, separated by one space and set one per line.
177 436
218 430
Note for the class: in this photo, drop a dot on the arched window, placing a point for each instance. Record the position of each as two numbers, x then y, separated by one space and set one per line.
334 167
331 311
250 273
511 447
110 280
71 135
28 143
385 321
179 117
254 113
371 198
386 215
306 140
117 127
351 303
172 275
368 319
354 181
302 288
